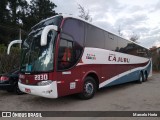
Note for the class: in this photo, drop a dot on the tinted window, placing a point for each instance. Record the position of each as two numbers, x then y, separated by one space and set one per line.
123 45
75 28
71 43
142 52
110 41
94 37
131 48
127 46
65 54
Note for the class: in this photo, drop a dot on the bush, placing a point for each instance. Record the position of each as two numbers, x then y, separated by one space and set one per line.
9 62
156 63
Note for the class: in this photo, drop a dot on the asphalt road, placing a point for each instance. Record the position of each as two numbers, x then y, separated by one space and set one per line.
126 97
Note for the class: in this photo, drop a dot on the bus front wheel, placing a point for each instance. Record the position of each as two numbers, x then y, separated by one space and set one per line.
89 89
17 90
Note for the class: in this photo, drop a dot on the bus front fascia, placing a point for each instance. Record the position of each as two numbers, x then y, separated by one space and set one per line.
43 37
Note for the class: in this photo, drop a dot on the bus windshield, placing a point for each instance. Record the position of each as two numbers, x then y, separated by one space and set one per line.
37 58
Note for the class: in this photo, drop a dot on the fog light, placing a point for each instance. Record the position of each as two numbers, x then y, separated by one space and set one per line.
43 83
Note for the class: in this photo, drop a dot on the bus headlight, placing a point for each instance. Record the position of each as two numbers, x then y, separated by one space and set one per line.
43 83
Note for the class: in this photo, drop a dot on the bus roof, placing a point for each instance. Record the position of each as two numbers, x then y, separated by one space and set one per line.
78 18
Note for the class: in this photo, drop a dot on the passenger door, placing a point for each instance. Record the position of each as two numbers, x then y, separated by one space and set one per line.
69 54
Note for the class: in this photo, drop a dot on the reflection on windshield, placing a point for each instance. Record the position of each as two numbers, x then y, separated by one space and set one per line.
37 58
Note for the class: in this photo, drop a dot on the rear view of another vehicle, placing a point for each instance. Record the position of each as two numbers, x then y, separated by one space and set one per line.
9 82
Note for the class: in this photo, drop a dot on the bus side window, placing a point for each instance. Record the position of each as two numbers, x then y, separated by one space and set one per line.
71 43
65 54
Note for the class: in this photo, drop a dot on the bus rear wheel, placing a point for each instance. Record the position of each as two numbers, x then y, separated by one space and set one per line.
141 78
89 89
145 76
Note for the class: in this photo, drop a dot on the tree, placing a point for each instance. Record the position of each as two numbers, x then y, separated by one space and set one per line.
24 18
4 19
18 14
16 6
37 11
134 37
10 21
41 9
4 12
23 11
155 53
84 14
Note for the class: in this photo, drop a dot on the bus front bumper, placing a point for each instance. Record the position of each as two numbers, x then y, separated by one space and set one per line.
48 91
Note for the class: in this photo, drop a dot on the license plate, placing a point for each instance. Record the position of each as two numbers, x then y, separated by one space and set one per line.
27 90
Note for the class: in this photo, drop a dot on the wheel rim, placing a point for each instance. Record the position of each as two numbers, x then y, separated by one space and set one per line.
141 79
145 77
89 88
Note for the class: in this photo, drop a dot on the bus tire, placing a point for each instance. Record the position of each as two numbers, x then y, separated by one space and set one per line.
17 90
89 88
141 78
145 76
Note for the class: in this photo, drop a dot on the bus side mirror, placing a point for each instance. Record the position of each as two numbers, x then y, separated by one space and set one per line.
11 43
45 33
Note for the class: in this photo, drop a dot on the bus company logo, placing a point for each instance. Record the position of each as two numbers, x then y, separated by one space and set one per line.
91 56
112 57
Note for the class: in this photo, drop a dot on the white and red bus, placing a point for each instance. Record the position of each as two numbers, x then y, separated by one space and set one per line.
65 55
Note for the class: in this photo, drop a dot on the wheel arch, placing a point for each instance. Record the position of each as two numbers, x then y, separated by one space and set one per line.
145 75
142 72
94 75
146 72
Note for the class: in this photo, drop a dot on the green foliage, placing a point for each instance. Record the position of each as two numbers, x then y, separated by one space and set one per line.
4 12
2 48
41 9
9 62
16 14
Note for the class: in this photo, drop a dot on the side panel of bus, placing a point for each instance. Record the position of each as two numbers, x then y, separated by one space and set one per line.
116 68
71 44
121 60
92 50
